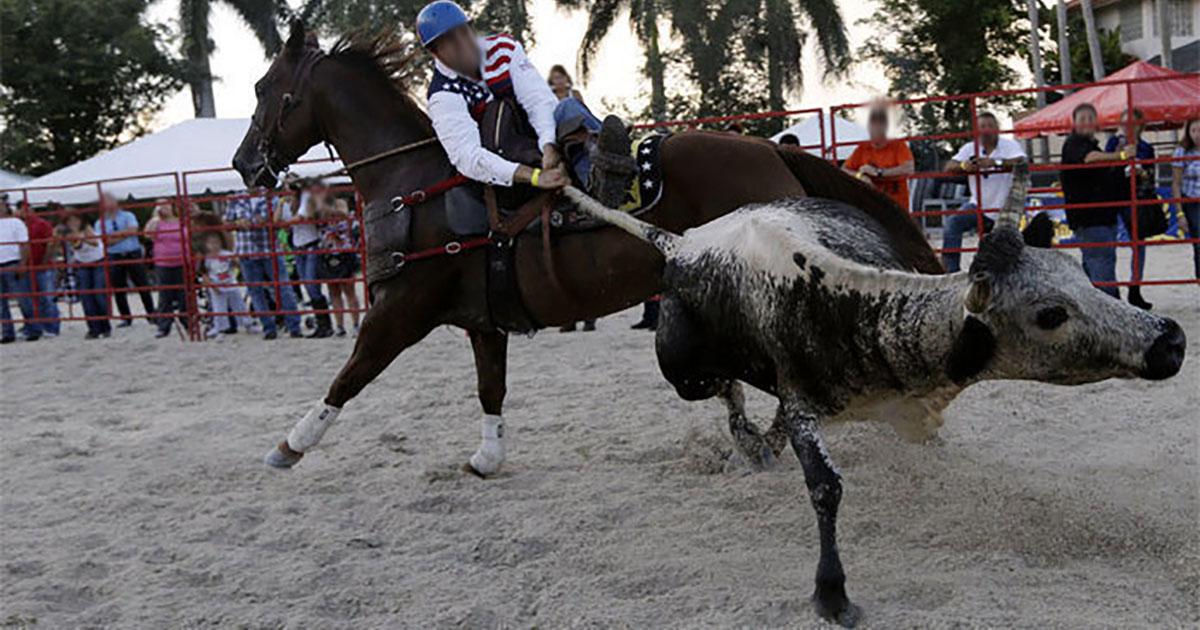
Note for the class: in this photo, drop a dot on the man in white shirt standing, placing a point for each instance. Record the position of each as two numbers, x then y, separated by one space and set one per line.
470 72
990 178
14 254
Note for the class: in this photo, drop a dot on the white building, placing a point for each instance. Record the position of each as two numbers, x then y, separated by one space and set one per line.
1137 24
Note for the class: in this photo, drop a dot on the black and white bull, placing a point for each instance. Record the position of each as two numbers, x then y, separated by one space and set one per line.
806 299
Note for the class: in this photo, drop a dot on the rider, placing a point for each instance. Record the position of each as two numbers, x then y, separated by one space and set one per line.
470 72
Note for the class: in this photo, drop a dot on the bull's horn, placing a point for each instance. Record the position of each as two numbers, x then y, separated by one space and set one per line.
1014 207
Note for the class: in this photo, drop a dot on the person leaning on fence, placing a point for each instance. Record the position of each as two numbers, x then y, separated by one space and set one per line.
41 277
1145 190
1089 186
881 162
225 298
339 263
168 234
299 214
119 230
252 244
14 255
990 187
1185 184
87 261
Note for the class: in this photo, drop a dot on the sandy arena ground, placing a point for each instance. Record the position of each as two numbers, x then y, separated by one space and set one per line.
134 497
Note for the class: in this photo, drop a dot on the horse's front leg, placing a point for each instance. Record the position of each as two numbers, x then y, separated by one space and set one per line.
491 365
825 492
398 319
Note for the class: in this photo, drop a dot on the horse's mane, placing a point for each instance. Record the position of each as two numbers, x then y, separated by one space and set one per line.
387 53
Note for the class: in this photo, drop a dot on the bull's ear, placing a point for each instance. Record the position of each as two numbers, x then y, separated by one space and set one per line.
1039 232
296 37
979 294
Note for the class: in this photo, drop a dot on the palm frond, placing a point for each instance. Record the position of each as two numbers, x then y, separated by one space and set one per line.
600 20
261 16
832 42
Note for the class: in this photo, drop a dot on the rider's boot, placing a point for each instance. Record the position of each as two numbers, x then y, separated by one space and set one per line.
613 168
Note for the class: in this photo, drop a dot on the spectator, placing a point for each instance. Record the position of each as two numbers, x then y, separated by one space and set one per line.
225 298
306 238
14 254
1145 190
252 245
340 264
1185 184
41 277
881 162
118 228
87 254
789 139
988 156
169 236
577 123
1088 186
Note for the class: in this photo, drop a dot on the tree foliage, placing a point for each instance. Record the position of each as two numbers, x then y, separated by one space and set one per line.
338 17
947 47
79 77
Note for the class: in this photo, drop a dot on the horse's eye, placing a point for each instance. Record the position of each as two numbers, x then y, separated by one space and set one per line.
1051 317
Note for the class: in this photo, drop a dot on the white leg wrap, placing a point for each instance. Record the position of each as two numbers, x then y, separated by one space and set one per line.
307 433
490 455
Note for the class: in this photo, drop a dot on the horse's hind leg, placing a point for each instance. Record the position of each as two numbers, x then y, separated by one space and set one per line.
746 437
491 364
396 320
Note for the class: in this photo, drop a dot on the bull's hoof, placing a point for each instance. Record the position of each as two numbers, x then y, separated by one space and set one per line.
282 456
836 608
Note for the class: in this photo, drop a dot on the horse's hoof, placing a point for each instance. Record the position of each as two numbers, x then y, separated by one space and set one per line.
839 611
282 457
470 470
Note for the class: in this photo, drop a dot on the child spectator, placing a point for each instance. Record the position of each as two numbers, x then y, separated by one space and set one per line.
1185 184
87 254
340 264
225 298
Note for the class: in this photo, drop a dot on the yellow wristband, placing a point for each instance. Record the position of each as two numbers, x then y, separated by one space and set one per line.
1123 156
965 165
861 176
533 177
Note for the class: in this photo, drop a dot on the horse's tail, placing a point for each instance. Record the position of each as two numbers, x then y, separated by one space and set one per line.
822 179
665 241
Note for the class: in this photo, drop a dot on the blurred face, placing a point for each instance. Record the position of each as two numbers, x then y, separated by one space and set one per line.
458 50
1194 132
877 125
165 210
1085 122
559 82
989 130
212 244
74 223
1137 125
108 203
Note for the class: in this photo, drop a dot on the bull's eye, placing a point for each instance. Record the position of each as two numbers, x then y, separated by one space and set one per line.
1051 317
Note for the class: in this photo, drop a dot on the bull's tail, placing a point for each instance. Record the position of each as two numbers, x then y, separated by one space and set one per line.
665 241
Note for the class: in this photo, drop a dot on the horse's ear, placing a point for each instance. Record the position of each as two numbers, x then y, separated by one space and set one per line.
296 37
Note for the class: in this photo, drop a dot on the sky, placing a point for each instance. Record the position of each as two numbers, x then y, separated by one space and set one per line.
615 79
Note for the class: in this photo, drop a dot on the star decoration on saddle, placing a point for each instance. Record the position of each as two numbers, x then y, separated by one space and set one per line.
647 186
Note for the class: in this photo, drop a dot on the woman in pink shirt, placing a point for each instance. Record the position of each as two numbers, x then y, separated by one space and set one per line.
169 236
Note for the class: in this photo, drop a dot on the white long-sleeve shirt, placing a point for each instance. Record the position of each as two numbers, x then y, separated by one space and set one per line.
456 103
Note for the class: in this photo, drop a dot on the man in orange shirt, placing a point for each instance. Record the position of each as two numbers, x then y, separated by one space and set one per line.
881 162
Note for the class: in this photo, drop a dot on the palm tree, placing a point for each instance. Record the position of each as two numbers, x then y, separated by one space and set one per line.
262 17
777 31
643 18
1093 40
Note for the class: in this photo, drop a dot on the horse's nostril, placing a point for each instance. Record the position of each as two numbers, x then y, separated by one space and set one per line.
1165 356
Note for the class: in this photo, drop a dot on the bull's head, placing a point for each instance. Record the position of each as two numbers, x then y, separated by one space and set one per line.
284 125
1033 314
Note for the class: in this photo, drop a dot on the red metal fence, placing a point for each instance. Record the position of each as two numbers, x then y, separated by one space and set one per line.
76 283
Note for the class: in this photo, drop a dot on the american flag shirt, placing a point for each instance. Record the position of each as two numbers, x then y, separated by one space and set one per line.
456 104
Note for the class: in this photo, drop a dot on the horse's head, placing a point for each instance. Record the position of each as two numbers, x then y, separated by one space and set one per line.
284 125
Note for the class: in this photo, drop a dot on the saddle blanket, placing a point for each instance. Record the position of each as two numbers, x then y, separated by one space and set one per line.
647 186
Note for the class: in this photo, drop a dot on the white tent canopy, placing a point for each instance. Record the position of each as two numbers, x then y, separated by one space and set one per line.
809 133
9 179
192 145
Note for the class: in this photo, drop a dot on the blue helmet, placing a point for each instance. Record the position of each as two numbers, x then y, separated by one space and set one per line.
439 18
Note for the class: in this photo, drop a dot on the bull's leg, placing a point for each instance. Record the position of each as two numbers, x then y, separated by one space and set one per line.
825 491
491 362
396 320
746 437
777 436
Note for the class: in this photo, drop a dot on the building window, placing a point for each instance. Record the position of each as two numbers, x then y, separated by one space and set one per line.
1131 20
1179 13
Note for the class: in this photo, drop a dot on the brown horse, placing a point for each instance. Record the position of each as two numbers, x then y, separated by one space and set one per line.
351 98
